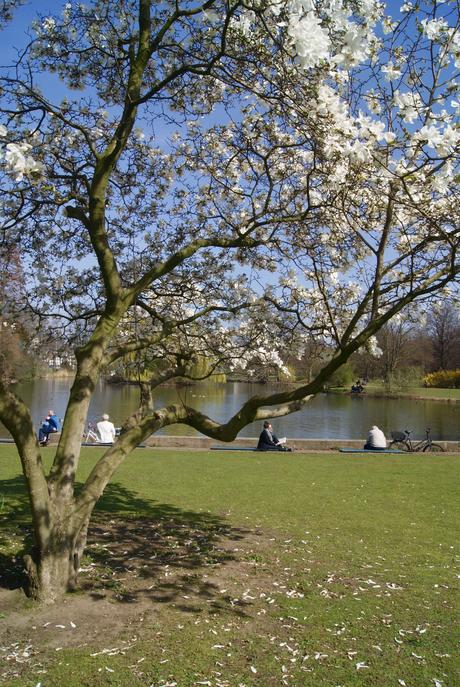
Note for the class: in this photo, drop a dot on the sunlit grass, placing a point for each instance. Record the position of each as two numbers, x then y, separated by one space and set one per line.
378 388
419 391
351 580
427 392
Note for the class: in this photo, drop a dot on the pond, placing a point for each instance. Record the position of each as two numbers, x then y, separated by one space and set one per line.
327 416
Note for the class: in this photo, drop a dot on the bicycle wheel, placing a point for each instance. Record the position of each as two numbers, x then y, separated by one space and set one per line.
433 448
399 446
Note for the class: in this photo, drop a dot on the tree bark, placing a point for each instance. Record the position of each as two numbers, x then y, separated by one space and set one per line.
49 576
53 565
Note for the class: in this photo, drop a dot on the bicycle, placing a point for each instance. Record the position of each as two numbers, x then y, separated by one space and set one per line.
91 434
403 442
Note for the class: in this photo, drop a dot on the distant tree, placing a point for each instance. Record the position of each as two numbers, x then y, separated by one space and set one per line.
11 353
343 377
12 281
443 324
217 180
394 340
305 358
14 320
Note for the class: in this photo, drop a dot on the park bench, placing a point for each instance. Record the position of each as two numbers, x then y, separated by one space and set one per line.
367 450
233 448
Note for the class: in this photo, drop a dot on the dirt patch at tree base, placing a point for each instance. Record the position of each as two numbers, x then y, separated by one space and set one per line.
136 571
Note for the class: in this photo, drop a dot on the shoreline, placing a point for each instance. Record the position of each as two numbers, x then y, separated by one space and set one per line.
205 443
393 395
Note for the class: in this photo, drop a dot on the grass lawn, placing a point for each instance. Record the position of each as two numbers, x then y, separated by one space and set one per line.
451 394
418 391
234 569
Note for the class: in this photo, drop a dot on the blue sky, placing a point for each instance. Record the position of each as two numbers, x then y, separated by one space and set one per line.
13 35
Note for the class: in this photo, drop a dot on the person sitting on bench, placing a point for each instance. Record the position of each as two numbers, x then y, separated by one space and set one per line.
269 441
49 425
376 440
106 430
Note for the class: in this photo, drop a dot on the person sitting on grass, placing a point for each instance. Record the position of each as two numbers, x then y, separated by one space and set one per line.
269 441
376 440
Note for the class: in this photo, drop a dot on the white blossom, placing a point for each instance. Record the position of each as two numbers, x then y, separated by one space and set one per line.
311 41
373 347
391 71
409 104
355 48
433 28
17 161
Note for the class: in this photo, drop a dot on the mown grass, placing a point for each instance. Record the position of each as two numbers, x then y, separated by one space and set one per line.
351 580
378 388
419 391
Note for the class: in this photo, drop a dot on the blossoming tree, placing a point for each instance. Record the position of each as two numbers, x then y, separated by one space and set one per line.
218 181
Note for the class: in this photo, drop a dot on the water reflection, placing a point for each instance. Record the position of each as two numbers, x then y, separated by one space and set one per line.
327 416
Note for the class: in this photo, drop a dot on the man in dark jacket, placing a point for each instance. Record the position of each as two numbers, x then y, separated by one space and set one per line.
269 441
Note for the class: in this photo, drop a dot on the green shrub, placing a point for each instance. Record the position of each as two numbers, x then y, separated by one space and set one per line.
405 377
344 376
443 379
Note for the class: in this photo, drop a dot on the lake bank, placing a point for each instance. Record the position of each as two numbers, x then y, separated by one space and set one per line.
198 443
416 394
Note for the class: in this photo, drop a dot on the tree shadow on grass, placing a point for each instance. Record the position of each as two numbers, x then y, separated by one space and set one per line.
166 555
15 532
138 549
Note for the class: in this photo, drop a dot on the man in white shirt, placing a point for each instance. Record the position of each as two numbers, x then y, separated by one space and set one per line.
376 440
105 430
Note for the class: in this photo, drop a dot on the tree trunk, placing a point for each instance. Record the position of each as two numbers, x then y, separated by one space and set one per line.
52 568
49 575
